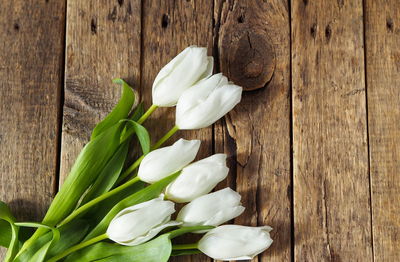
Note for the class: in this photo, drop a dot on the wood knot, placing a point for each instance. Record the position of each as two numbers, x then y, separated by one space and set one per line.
250 59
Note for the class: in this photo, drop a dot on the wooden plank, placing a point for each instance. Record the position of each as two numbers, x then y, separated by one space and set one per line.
331 181
168 28
382 34
253 41
31 62
103 42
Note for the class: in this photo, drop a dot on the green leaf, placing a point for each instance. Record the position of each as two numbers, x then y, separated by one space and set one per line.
40 255
148 193
156 250
141 133
5 214
108 175
139 111
120 111
84 172
5 233
70 235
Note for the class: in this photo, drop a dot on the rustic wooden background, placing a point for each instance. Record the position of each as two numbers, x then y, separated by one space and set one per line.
313 146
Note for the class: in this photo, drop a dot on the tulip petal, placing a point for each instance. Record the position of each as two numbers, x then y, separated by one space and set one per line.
167 160
198 179
138 220
150 234
188 67
206 102
234 242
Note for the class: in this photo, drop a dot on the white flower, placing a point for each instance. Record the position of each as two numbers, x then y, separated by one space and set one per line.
198 179
212 209
233 242
139 223
206 102
187 68
165 161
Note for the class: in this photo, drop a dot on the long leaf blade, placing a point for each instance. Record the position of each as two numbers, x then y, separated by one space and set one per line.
120 111
6 215
108 175
156 250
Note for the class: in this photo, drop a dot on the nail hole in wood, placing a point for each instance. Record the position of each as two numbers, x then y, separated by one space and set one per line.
16 27
240 19
129 9
389 24
120 2
113 15
305 2
93 26
328 32
313 30
164 21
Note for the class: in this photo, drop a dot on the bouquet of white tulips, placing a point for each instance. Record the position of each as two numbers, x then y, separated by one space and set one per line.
112 210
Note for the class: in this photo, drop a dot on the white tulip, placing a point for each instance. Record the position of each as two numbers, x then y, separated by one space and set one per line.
198 179
206 102
139 223
233 242
187 68
212 209
165 161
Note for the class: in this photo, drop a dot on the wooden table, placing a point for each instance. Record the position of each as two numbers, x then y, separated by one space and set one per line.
314 144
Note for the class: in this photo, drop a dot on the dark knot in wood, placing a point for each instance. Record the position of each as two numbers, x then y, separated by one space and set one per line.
249 59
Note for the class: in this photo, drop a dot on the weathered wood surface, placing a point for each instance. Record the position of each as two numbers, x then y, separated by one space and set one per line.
312 147
382 35
102 43
332 218
31 64
252 40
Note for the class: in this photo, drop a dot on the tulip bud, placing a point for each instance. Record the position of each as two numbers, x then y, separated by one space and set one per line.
165 161
212 209
187 68
139 223
198 179
233 242
206 102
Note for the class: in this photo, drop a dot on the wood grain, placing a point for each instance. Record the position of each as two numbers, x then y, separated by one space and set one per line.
168 28
103 42
331 181
382 33
31 57
253 44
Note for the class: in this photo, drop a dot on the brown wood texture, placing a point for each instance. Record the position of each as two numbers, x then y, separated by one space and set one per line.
382 35
31 62
252 40
331 180
102 43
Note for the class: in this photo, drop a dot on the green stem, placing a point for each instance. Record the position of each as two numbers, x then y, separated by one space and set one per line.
95 201
165 137
130 169
149 111
77 247
185 246
136 164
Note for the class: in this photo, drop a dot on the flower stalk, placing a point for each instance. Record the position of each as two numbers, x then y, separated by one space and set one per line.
78 247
